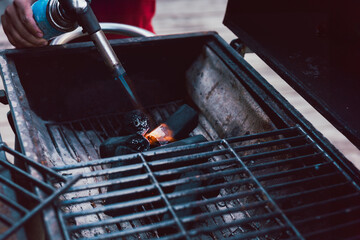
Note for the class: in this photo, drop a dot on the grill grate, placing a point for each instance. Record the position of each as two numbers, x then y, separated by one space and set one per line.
273 185
14 197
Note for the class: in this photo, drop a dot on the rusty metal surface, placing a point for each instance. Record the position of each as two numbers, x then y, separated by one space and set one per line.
5 210
222 99
20 203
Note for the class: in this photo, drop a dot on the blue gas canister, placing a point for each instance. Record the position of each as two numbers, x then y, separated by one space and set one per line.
51 19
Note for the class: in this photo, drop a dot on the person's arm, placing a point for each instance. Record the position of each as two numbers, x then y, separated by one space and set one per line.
20 27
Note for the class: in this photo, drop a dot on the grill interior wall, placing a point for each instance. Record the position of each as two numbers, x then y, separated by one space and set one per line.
225 109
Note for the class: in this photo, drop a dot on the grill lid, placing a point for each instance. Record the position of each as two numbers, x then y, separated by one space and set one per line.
313 45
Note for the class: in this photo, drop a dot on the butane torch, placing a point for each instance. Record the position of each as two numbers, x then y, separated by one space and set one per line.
55 17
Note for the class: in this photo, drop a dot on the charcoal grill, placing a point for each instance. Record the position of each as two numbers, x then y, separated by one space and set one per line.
259 198
273 176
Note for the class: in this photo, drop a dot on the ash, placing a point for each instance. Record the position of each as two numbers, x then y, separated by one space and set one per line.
136 122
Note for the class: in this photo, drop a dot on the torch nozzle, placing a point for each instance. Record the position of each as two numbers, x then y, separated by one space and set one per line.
86 18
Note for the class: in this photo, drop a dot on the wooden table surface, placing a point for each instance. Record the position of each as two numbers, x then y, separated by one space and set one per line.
182 16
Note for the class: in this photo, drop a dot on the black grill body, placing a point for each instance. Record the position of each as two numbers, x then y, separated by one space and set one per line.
274 175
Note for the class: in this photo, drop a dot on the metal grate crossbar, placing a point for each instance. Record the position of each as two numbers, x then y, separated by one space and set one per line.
273 185
15 197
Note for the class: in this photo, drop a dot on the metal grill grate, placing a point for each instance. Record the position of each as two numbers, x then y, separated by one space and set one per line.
273 185
14 197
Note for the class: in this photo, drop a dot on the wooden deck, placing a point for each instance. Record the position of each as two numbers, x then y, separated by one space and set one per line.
181 16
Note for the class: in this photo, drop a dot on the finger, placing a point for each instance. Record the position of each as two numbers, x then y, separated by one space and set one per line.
20 29
26 15
5 27
14 38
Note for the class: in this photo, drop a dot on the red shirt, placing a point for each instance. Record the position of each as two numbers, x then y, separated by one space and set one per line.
132 12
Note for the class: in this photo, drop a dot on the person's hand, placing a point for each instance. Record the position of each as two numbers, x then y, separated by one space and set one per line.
20 27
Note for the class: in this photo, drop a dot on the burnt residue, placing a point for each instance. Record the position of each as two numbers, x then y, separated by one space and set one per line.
82 138
135 142
136 122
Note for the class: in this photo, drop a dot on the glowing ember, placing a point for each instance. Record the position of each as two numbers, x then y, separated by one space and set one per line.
160 135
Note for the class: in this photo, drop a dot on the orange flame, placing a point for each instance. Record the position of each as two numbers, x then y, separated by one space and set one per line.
160 135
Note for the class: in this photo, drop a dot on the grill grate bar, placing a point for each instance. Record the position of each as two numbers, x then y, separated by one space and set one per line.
201 177
330 159
38 208
335 228
83 130
321 203
213 228
50 172
79 141
171 237
93 163
9 197
301 181
294 229
121 169
136 202
203 216
109 183
200 166
214 187
187 158
53 140
107 135
112 127
129 217
264 232
68 144
323 216
62 225
6 220
276 163
276 132
13 204
20 189
24 174
283 151
307 192
165 199
221 199
103 196
271 143
293 171
139 229
94 130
